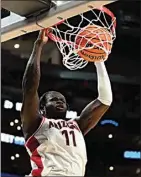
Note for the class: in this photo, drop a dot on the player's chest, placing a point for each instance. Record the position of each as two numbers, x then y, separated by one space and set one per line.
65 133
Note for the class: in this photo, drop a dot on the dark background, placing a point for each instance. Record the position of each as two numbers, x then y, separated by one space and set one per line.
80 88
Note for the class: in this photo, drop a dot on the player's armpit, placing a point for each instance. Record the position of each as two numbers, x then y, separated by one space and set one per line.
91 115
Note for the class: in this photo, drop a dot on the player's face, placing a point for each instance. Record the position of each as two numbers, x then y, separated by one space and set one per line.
56 106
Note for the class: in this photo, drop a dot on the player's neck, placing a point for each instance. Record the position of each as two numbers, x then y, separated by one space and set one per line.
57 116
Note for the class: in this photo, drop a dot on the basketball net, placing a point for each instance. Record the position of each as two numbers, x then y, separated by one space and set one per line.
66 32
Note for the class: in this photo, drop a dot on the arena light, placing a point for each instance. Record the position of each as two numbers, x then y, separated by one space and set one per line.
16 121
138 171
111 168
17 46
12 158
71 114
7 138
8 104
11 124
18 106
132 154
19 140
109 121
110 136
17 155
18 128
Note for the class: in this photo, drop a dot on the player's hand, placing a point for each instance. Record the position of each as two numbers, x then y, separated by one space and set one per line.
42 37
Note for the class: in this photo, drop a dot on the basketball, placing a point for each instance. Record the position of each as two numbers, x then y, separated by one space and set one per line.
94 42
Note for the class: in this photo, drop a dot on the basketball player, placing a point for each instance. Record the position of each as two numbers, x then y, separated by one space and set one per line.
55 144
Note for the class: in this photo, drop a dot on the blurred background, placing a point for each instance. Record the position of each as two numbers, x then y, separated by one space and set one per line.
114 146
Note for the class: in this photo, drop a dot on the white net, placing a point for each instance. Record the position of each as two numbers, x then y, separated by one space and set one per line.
69 31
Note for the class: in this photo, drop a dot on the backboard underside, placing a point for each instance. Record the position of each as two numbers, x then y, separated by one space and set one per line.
48 18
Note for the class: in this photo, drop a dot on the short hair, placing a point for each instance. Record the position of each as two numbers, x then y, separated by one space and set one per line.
43 99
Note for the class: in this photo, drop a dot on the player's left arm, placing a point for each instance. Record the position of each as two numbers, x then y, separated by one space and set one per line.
93 112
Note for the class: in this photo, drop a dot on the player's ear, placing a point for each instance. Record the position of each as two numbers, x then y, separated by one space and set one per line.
43 111
42 105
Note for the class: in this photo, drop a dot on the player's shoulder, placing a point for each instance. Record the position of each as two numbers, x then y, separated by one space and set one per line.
75 119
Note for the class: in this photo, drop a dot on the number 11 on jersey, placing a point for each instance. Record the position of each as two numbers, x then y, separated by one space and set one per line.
68 135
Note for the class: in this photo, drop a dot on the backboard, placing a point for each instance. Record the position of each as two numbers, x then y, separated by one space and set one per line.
30 16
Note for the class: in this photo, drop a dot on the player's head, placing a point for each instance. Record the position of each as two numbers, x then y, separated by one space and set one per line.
53 105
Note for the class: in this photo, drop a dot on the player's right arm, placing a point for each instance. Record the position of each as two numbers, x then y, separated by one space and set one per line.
30 107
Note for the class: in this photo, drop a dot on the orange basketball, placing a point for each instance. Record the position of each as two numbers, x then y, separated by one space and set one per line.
92 41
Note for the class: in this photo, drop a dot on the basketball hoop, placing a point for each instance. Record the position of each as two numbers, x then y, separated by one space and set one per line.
64 34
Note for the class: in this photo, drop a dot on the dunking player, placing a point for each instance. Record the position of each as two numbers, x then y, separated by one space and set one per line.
55 144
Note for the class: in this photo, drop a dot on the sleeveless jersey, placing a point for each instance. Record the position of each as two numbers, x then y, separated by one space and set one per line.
57 148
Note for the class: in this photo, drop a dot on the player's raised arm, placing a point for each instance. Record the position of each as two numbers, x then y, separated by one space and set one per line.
93 112
30 108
